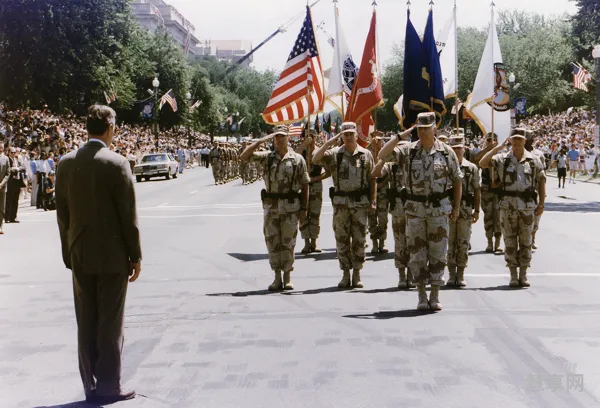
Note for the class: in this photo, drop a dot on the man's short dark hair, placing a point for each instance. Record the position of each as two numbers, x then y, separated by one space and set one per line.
99 118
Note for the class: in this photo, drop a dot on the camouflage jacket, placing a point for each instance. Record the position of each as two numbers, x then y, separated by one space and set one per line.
352 173
471 181
427 173
395 175
282 175
520 176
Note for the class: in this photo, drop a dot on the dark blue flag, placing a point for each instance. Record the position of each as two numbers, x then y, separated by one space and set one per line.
521 106
433 72
416 87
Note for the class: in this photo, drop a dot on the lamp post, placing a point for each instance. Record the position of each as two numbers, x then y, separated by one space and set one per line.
513 113
188 98
596 55
155 85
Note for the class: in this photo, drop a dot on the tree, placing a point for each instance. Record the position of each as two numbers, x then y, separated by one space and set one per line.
586 27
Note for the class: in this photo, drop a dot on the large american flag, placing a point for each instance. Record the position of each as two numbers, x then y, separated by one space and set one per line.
299 89
169 98
581 77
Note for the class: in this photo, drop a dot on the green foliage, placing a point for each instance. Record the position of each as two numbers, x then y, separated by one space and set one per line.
586 27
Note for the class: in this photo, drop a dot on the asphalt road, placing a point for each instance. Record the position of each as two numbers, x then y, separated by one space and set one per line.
202 331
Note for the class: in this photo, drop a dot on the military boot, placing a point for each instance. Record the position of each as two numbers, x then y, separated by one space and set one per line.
533 245
277 283
423 303
306 249
402 284
490 247
382 249
523 277
514 279
497 247
287 281
410 280
460 278
375 249
434 298
356 283
452 279
345 282
314 247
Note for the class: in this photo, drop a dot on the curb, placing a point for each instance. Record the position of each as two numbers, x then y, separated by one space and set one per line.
589 181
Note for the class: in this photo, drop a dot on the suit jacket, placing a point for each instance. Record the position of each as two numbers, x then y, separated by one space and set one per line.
96 211
4 172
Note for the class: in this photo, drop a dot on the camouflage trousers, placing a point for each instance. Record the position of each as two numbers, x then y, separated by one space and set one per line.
280 232
378 220
517 227
350 229
491 214
216 172
458 242
536 223
400 251
427 243
311 226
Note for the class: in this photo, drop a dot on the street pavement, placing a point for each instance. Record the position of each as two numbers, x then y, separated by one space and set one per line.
202 331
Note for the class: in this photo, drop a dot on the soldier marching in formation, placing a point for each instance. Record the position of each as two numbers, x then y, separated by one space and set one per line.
378 220
530 135
227 166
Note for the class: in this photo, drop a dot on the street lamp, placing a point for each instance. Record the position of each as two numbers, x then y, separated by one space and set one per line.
188 98
596 55
155 85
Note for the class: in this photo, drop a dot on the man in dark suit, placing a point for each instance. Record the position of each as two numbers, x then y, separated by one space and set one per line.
4 176
97 219
14 185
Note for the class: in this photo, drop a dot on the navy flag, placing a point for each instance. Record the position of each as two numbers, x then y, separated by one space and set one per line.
416 79
433 72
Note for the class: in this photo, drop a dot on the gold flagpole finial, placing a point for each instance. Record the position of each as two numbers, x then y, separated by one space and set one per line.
408 4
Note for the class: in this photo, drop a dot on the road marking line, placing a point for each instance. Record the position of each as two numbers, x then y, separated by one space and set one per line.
558 275
193 192
163 204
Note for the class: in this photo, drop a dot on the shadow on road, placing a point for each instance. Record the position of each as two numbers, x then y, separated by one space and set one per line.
315 291
263 292
494 288
392 315
249 257
375 291
325 255
77 404
590 207
379 257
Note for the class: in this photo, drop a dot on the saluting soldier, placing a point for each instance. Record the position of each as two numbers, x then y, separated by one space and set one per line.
530 135
522 182
489 201
431 172
214 162
353 194
285 201
396 190
378 220
460 229
311 226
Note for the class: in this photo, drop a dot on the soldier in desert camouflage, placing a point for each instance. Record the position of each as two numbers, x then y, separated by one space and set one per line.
353 195
378 220
522 182
530 135
215 163
431 172
460 229
489 202
285 201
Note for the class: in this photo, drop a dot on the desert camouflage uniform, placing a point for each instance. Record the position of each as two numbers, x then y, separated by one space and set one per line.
460 230
491 212
351 175
283 175
215 164
536 223
427 223
311 227
378 220
517 212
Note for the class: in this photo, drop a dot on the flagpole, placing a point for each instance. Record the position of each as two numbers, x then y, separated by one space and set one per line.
492 178
374 4
431 9
456 68
338 52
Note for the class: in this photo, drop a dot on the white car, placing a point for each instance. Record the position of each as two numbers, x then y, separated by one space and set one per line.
156 165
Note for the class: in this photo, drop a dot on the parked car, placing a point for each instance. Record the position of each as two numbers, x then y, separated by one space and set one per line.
156 165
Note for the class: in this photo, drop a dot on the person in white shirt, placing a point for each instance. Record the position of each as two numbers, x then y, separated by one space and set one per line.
561 160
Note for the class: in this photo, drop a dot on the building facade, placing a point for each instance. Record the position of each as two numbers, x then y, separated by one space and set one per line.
225 50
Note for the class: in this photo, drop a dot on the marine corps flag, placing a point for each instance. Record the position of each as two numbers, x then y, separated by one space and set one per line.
366 93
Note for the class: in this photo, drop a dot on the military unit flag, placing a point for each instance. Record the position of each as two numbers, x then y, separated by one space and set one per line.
299 91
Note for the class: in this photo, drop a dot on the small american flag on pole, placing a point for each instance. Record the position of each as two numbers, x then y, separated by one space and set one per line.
581 77
296 130
299 89
169 98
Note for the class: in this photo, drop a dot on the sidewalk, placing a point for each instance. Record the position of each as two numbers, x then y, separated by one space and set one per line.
580 178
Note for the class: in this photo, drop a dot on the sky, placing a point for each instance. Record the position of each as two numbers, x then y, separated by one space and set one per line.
255 20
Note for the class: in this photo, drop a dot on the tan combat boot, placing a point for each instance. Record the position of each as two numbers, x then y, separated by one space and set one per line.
410 280
490 247
423 303
402 284
314 247
533 245
382 249
375 249
434 298
452 279
345 282
497 247
277 283
287 281
523 277
460 278
514 279
356 283
306 249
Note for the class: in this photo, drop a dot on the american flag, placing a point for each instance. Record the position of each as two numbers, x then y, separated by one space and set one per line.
110 96
169 98
299 89
296 130
581 77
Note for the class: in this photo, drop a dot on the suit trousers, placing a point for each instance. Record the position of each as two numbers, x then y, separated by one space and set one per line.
13 191
99 308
